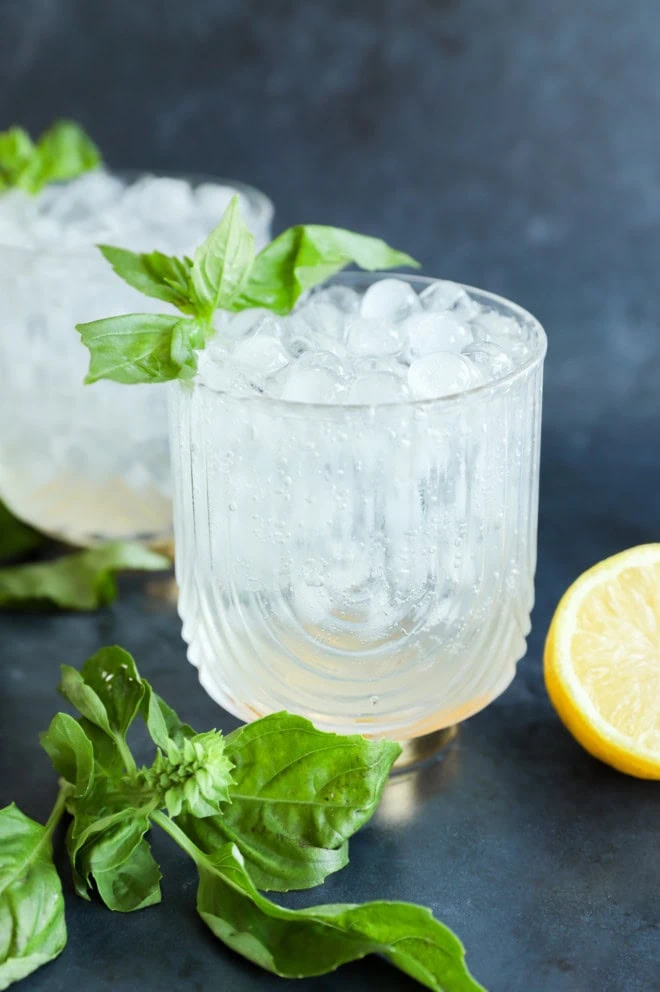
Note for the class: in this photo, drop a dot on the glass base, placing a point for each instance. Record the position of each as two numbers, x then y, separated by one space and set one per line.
418 750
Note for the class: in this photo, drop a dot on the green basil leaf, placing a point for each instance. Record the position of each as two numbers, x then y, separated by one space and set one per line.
113 676
64 151
303 943
124 870
275 862
80 581
16 150
222 263
306 255
74 688
163 724
187 337
107 756
136 347
16 538
71 752
298 795
110 804
32 926
162 277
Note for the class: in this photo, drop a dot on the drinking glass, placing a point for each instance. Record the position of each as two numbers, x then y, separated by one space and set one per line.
369 567
85 463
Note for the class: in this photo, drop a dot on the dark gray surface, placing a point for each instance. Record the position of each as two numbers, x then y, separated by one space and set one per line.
543 861
514 145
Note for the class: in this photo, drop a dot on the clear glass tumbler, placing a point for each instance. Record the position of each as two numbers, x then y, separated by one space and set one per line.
86 463
370 567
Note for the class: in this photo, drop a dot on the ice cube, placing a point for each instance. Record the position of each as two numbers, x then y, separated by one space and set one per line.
375 337
212 200
263 352
82 199
443 295
442 374
159 200
378 387
341 297
436 331
238 325
492 361
315 327
389 299
504 331
315 378
18 215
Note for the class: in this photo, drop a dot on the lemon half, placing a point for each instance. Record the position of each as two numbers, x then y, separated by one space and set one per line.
602 661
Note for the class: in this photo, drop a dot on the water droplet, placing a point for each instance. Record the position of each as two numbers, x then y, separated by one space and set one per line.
233 506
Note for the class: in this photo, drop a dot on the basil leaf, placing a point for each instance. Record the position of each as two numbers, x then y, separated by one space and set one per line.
32 926
275 862
298 795
71 752
161 276
302 943
64 151
80 581
16 538
124 870
222 263
307 255
107 756
113 676
75 689
137 347
107 692
109 805
16 153
162 722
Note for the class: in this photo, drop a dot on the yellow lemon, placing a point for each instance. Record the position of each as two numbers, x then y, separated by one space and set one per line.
602 661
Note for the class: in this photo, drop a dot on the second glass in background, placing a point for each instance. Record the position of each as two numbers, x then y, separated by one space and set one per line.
91 463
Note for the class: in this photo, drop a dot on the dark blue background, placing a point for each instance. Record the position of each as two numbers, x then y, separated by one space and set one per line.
511 144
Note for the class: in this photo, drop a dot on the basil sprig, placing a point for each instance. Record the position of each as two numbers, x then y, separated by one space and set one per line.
271 806
62 152
223 275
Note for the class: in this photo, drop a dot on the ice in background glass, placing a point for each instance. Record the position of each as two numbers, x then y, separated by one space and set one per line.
90 463
347 546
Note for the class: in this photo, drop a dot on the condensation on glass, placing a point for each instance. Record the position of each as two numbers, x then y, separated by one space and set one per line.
83 463
369 567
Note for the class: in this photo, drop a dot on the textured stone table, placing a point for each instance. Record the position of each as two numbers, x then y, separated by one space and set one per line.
544 861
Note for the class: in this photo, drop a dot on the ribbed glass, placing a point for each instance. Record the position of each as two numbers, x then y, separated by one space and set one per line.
83 463
369 567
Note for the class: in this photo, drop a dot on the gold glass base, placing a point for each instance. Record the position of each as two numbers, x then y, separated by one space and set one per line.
421 749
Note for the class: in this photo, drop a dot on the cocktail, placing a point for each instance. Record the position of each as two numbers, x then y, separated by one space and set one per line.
356 505
90 464
355 472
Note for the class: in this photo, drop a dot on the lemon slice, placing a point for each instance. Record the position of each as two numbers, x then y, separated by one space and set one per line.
602 661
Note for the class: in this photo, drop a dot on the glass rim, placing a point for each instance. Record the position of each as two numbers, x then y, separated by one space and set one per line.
534 359
262 206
